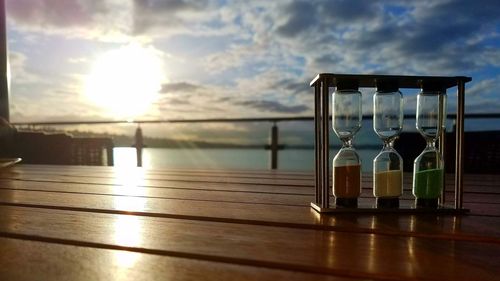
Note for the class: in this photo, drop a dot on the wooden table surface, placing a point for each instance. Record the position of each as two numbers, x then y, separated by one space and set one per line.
104 223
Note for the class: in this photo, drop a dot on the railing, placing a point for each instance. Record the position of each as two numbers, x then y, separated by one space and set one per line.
273 146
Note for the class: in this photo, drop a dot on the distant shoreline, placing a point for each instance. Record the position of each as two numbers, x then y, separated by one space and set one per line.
153 142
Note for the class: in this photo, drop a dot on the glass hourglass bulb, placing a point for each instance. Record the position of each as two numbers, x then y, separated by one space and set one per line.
428 173
347 116
388 164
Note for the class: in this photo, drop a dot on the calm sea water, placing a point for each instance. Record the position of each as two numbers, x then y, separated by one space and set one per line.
288 159
254 159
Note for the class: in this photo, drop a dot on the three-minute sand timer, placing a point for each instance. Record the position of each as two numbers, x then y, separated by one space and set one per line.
388 164
347 116
428 171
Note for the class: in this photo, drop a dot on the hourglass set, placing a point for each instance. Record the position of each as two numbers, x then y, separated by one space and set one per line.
346 119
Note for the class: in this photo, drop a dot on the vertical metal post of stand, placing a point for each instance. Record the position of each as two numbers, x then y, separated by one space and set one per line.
325 167
442 150
459 145
274 146
317 141
4 79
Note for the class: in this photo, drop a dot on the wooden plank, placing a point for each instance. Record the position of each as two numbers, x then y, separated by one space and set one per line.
130 179
448 227
343 254
107 171
163 193
139 180
195 226
159 172
33 260
16 172
489 184
92 171
208 179
162 170
247 196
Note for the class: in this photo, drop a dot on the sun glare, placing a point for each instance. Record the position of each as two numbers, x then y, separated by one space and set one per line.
125 82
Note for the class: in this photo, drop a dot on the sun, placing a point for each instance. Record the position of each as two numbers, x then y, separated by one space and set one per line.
125 82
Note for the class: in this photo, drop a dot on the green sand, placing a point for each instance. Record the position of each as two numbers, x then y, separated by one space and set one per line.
428 183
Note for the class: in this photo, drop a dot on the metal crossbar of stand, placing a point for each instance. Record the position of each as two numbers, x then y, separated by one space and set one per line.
322 84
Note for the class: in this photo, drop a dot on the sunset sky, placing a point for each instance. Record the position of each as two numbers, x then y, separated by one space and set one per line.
144 59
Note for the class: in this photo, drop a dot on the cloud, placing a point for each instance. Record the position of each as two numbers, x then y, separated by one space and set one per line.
349 11
242 55
483 106
119 20
293 86
18 65
273 106
179 87
298 18
54 13
275 48
104 20
166 14
351 36
484 87
406 37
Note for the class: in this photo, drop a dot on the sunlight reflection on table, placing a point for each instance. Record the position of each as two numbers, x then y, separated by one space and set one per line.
128 228
130 183
128 232
129 177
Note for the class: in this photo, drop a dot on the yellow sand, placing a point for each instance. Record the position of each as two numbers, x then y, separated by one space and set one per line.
388 184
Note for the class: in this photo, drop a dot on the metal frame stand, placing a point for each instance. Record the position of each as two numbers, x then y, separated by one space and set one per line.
322 83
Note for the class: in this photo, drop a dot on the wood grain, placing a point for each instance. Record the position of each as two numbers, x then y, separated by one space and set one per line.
327 252
279 215
52 261
70 222
196 192
473 183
